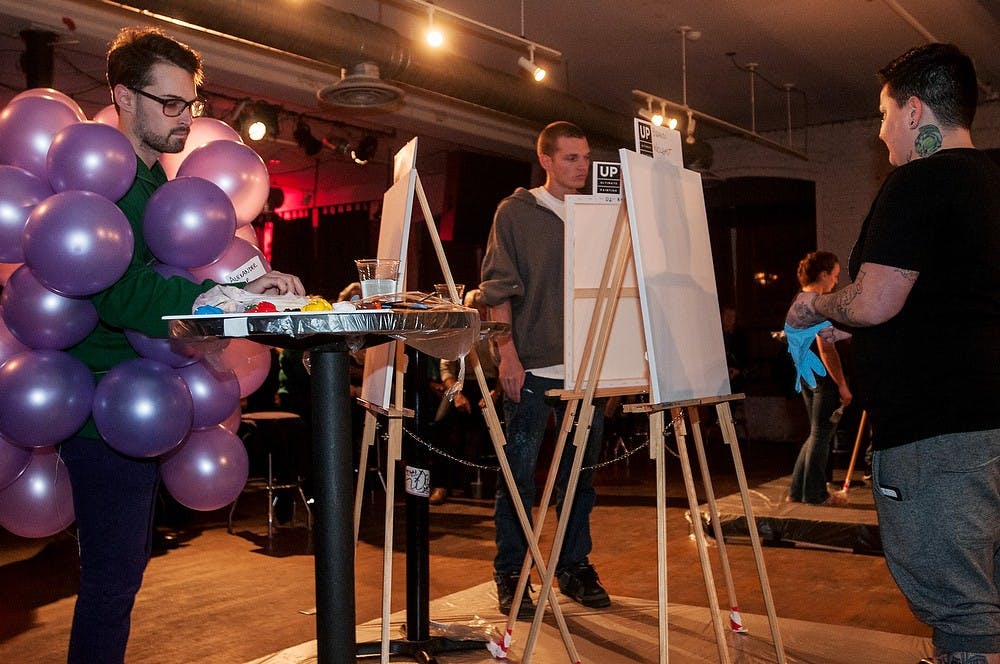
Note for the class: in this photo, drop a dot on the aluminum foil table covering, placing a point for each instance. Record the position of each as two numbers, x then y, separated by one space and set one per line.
446 331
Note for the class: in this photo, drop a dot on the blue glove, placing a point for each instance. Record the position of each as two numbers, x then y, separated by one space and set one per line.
807 363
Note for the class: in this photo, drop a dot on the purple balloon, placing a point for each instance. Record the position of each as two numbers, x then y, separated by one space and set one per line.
249 360
77 243
91 156
208 470
7 269
233 421
42 319
215 393
142 408
45 397
237 169
240 262
27 127
50 93
20 192
172 352
13 460
188 222
9 344
39 503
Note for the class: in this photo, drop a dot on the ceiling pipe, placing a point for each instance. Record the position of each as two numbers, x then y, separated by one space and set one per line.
340 39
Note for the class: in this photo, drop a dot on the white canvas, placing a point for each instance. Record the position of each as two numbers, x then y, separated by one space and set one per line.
677 291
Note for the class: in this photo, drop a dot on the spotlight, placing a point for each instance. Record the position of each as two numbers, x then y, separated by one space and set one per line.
434 36
305 139
365 150
672 123
690 139
258 120
528 64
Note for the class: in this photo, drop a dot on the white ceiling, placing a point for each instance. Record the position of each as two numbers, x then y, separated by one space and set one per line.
829 49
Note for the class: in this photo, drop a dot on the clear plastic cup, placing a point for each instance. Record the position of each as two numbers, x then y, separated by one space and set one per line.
377 275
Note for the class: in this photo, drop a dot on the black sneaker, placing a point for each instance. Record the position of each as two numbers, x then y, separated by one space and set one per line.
506 587
581 584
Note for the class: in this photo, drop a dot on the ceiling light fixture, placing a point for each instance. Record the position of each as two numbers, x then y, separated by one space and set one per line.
259 120
435 38
304 138
537 73
365 150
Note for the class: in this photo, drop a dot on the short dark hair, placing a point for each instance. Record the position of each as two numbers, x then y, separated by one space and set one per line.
553 132
939 75
815 263
134 51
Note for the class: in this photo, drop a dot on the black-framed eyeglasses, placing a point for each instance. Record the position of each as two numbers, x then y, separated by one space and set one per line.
173 107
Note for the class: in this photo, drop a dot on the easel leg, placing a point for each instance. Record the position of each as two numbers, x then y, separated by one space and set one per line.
656 443
547 592
735 621
497 437
680 435
366 443
729 435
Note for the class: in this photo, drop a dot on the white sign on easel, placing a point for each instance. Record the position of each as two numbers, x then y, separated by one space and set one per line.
658 142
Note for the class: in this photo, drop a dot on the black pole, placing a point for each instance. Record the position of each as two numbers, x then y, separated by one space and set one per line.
334 537
38 59
417 519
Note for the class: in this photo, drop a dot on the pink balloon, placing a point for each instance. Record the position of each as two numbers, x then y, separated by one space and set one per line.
248 233
208 470
188 222
27 127
215 393
241 262
203 130
9 344
41 318
7 269
107 115
45 397
77 243
233 420
142 408
39 503
20 192
249 360
92 157
237 169
50 93
13 461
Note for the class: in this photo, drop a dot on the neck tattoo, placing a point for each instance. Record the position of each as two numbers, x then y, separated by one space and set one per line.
928 140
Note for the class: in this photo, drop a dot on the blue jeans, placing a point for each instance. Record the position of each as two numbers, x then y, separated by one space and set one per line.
113 497
809 476
525 422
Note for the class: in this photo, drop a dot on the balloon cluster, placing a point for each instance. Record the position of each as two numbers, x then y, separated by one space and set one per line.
63 239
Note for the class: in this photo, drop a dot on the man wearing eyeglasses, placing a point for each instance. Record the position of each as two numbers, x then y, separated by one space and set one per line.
154 82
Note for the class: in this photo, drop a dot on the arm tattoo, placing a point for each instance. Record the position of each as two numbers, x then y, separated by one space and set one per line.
839 306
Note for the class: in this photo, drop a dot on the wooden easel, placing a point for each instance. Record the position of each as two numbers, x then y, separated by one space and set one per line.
619 253
395 414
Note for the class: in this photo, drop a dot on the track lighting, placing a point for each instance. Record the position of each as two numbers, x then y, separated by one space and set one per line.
529 65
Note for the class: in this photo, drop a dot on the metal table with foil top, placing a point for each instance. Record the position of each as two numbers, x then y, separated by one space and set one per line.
444 330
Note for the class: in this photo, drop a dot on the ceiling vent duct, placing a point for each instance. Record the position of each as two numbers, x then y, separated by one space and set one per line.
362 88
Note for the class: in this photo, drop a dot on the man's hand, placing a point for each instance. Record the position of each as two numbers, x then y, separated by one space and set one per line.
511 375
802 313
276 283
461 403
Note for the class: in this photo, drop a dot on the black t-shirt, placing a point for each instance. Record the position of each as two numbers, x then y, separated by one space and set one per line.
934 368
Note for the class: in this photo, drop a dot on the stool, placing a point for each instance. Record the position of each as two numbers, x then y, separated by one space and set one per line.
266 427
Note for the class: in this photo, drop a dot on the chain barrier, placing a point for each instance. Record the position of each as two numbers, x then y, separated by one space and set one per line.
471 464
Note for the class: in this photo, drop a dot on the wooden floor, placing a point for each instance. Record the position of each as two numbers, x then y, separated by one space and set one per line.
225 598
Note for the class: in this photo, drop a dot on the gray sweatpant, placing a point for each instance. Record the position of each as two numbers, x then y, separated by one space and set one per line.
938 502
